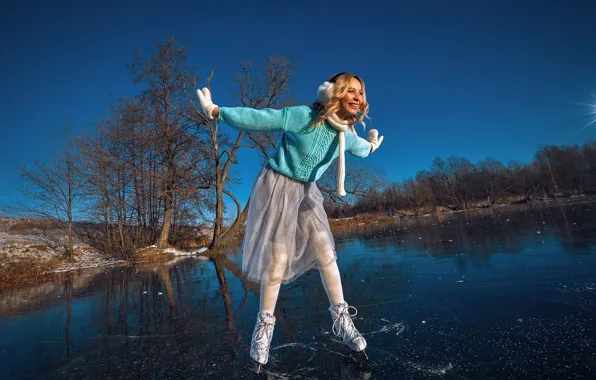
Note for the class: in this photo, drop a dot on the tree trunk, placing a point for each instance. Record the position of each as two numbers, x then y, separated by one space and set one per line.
69 280
106 225
70 248
233 231
224 290
121 211
162 242
167 215
112 235
121 232
219 206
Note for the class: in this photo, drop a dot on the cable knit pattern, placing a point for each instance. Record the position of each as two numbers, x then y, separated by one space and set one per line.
304 152
324 137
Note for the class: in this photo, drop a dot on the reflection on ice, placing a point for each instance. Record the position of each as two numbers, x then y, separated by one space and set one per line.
479 296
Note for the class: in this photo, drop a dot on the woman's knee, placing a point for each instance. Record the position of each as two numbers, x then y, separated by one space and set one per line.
325 257
279 260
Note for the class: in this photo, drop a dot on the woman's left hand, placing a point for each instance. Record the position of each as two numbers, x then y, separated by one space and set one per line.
374 139
206 102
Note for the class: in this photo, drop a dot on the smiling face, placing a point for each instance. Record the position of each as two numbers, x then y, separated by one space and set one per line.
347 100
351 102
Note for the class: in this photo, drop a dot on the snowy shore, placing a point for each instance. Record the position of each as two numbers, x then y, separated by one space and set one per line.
29 252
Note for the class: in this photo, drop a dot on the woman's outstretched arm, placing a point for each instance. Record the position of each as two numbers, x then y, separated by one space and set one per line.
361 148
244 118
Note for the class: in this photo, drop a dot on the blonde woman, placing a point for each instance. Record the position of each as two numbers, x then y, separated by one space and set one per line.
287 232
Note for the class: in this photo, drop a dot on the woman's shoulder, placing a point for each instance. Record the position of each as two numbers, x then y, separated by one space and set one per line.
299 117
302 112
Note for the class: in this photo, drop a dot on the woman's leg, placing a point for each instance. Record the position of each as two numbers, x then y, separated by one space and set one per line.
332 282
270 287
314 228
328 268
343 326
263 332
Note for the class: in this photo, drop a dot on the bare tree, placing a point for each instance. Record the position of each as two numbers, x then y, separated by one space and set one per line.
166 77
455 178
492 178
589 167
523 179
562 165
430 188
265 91
124 170
360 180
53 186
372 202
443 182
97 174
415 193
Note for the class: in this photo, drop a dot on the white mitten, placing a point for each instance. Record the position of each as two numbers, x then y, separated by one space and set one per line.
374 140
206 103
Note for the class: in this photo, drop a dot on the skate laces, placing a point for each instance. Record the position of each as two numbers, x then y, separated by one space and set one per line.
263 334
343 322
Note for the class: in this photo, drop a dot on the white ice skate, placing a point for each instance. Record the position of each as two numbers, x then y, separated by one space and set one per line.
343 327
261 338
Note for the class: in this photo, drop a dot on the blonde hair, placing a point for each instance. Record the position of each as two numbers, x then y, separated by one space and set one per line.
341 84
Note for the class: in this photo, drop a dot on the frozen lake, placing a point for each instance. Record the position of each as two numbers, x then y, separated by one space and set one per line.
507 293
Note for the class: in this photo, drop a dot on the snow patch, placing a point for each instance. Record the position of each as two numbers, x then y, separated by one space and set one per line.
185 253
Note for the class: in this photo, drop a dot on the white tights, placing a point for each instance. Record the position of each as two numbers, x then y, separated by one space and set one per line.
327 267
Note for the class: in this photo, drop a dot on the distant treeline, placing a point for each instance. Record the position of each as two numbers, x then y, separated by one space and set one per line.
456 183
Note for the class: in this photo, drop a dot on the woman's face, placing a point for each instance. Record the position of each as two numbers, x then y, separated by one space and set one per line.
351 102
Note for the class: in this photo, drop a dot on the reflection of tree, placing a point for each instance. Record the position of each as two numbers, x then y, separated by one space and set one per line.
235 269
129 328
574 227
235 337
290 330
164 274
477 234
473 237
68 313
381 265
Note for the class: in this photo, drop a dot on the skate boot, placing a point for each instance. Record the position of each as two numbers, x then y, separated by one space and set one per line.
343 327
261 338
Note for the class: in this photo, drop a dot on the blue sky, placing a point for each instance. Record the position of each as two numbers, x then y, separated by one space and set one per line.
467 78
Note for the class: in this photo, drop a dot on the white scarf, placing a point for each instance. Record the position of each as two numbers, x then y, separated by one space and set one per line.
341 126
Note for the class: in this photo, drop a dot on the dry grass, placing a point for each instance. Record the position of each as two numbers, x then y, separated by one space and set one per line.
25 226
28 271
204 240
26 262
201 241
12 250
360 220
152 254
22 264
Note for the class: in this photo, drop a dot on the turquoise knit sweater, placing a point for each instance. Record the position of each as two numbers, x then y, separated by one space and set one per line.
304 152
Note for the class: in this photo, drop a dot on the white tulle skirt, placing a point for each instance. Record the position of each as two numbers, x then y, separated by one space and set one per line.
287 232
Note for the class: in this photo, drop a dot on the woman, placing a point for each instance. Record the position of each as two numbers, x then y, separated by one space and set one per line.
287 232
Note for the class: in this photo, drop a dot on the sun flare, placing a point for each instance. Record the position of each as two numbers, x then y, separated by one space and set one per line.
591 114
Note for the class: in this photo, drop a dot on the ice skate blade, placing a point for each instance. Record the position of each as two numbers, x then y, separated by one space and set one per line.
359 356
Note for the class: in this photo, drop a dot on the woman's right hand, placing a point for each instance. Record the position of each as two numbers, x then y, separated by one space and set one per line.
210 109
374 139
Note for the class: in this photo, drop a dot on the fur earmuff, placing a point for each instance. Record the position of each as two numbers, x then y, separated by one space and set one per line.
325 92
